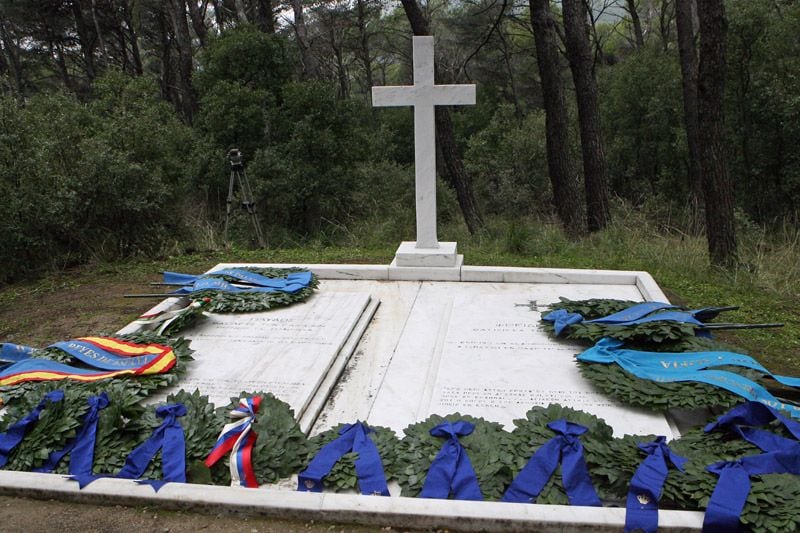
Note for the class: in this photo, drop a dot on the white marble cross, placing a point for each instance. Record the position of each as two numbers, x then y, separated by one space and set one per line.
424 95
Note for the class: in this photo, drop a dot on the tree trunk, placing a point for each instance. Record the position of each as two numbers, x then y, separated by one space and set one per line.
638 35
86 42
684 19
563 178
198 22
136 55
594 162
264 17
219 16
99 33
11 52
301 33
363 52
241 14
183 43
445 138
717 185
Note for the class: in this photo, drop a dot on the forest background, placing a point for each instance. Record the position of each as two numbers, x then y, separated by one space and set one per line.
116 117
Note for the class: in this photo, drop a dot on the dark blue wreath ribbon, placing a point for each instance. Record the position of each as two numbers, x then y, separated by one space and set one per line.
566 448
451 471
292 283
80 447
369 469
730 494
637 314
647 484
782 457
16 432
169 439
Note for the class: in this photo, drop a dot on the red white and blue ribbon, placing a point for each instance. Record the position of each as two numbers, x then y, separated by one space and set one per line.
238 438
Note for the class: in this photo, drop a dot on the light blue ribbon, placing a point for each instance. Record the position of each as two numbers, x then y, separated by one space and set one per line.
665 367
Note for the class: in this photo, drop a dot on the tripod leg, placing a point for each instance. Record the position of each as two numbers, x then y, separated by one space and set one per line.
251 208
228 206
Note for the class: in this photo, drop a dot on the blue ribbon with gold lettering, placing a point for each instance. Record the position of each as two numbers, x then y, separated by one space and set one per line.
565 448
666 367
647 484
16 432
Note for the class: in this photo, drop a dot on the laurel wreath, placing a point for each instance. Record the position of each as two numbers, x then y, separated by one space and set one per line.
490 448
343 474
212 301
253 302
281 447
612 380
531 433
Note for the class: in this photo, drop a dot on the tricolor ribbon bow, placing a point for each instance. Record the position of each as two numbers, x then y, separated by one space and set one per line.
238 438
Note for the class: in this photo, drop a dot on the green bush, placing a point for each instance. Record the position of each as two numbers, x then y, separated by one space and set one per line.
98 180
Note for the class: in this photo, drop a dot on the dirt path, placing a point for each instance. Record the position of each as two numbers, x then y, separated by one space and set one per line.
31 516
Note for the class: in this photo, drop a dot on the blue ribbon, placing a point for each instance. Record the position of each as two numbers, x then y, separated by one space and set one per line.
11 353
16 431
637 314
80 447
647 484
666 367
451 471
730 494
566 448
168 437
369 469
292 283
782 457
94 355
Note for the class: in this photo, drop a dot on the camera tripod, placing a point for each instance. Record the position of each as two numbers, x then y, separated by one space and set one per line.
239 178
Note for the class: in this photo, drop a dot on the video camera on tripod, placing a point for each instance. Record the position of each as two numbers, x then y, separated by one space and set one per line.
238 177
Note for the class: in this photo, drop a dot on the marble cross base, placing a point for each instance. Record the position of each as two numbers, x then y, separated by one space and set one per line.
408 255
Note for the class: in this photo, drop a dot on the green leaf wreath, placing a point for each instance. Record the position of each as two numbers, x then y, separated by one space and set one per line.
343 474
281 447
612 380
490 449
139 385
531 433
213 301
252 302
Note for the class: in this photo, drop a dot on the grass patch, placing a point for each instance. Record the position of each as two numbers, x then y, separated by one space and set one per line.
766 285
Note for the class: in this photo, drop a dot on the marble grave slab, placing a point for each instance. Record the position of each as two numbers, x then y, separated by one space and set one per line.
286 351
